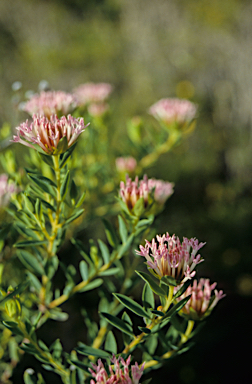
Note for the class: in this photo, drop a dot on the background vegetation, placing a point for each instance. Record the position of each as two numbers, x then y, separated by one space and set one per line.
149 49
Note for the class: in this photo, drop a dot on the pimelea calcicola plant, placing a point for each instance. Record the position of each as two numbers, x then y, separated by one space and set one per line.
50 103
48 133
48 209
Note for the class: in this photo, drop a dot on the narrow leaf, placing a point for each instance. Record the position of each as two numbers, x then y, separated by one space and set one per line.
84 349
30 262
94 284
153 285
148 297
122 229
66 155
83 270
111 236
104 251
118 323
47 159
110 343
64 186
177 307
29 243
74 217
132 305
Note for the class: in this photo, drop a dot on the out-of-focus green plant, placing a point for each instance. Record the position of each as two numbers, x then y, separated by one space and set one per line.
71 177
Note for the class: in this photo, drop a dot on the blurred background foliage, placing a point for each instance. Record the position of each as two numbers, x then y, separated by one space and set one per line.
147 49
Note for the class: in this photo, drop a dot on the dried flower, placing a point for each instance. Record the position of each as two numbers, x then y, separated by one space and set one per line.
173 111
50 103
126 164
92 93
201 301
162 189
47 133
116 374
6 190
171 258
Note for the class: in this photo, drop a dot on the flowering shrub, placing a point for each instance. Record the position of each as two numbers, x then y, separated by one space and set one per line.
67 172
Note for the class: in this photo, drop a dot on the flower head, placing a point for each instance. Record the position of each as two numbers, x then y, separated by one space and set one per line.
50 103
6 190
172 258
148 189
116 374
162 189
47 133
173 110
201 301
126 164
92 93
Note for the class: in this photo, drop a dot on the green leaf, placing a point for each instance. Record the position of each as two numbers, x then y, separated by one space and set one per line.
145 330
145 222
73 190
47 159
148 297
80 365
153 285
64 186
34 280
125 247
81 199
13 327
177 307
169 280
42 184
132 305
158 313
29 348
29 243
83 270
109 272
84 349
182 289
30 262
17 290
139 208
110 233
62 146
122 229
74 217
118 323
28 203
104 251
56 349
92 285
110 343
66 155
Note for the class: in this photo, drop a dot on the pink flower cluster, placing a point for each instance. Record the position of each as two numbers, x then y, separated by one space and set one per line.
126 164
200 303
6 190
162 189
46 133
116 375
50 103
172 258
92 93
132 191
173 110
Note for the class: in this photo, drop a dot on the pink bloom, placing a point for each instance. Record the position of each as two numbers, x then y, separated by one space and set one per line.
6 190
201 301
116 374
173 110
50 103
171 258
47 132
126 164
97 110
132 191
92 93
162 189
